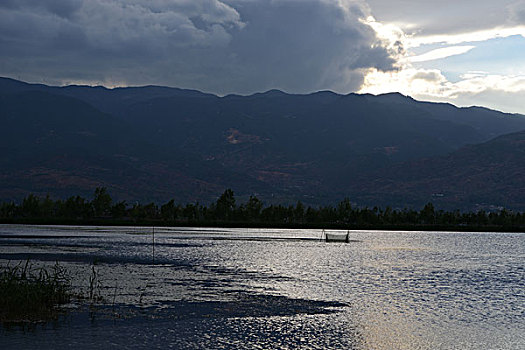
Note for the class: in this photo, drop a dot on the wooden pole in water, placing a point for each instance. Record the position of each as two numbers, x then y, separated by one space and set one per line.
153 241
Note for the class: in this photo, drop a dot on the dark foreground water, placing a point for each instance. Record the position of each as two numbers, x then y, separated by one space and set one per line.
278 289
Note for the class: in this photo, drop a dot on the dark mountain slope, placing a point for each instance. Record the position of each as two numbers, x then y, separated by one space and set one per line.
303 145
297 128
487 122
155 143
482 176
113 101
39 122
63 146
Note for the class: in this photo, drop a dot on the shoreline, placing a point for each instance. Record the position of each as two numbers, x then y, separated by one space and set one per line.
273 225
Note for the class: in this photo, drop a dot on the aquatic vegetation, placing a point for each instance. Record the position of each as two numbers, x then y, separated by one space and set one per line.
29 293
95 286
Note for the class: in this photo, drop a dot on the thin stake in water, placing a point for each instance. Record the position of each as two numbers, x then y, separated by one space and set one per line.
153 239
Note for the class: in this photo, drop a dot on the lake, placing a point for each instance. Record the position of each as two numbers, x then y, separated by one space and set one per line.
236 288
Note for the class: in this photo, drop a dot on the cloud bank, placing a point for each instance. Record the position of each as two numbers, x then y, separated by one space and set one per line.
443 42
299 46
227 46
448 17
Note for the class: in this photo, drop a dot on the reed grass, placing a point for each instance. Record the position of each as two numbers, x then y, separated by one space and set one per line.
29 293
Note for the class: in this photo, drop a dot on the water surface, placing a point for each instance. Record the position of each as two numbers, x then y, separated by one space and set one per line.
270 288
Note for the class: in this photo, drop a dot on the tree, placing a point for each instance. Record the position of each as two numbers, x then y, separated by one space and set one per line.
298 212
150 210
190 212
76 207
225 205
101 202
344 210
169 211
8 210
31 206
47 207
119 210
253 208
427 214
311 215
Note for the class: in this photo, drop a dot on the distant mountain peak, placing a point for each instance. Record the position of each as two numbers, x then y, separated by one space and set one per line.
271 93
392 97
394 94
325 93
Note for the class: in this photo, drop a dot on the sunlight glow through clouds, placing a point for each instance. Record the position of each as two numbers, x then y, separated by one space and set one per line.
430 82
452 39
440 53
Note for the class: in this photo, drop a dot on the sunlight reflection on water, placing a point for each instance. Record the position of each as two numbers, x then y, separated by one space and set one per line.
247 288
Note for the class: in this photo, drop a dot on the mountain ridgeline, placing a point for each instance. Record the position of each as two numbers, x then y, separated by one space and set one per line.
157 143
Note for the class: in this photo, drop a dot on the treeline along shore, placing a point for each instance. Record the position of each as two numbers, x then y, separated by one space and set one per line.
226 212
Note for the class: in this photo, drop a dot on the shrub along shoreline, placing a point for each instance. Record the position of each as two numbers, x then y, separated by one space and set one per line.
30 294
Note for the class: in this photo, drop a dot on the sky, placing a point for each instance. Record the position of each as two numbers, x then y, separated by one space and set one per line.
464 52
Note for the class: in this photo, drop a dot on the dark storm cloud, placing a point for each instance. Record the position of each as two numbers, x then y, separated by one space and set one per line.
516 13
305 45
221 46
61 8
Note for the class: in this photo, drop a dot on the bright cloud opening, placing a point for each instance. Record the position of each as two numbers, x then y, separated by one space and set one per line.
477 36
418 76
440 53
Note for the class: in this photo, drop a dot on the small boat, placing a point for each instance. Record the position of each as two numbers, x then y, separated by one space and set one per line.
337 237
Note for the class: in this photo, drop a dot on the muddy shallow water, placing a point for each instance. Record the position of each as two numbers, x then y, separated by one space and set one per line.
275 289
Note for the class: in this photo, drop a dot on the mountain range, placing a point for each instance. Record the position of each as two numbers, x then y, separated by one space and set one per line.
157 143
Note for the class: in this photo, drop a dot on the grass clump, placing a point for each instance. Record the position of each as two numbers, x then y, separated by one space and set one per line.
32 294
